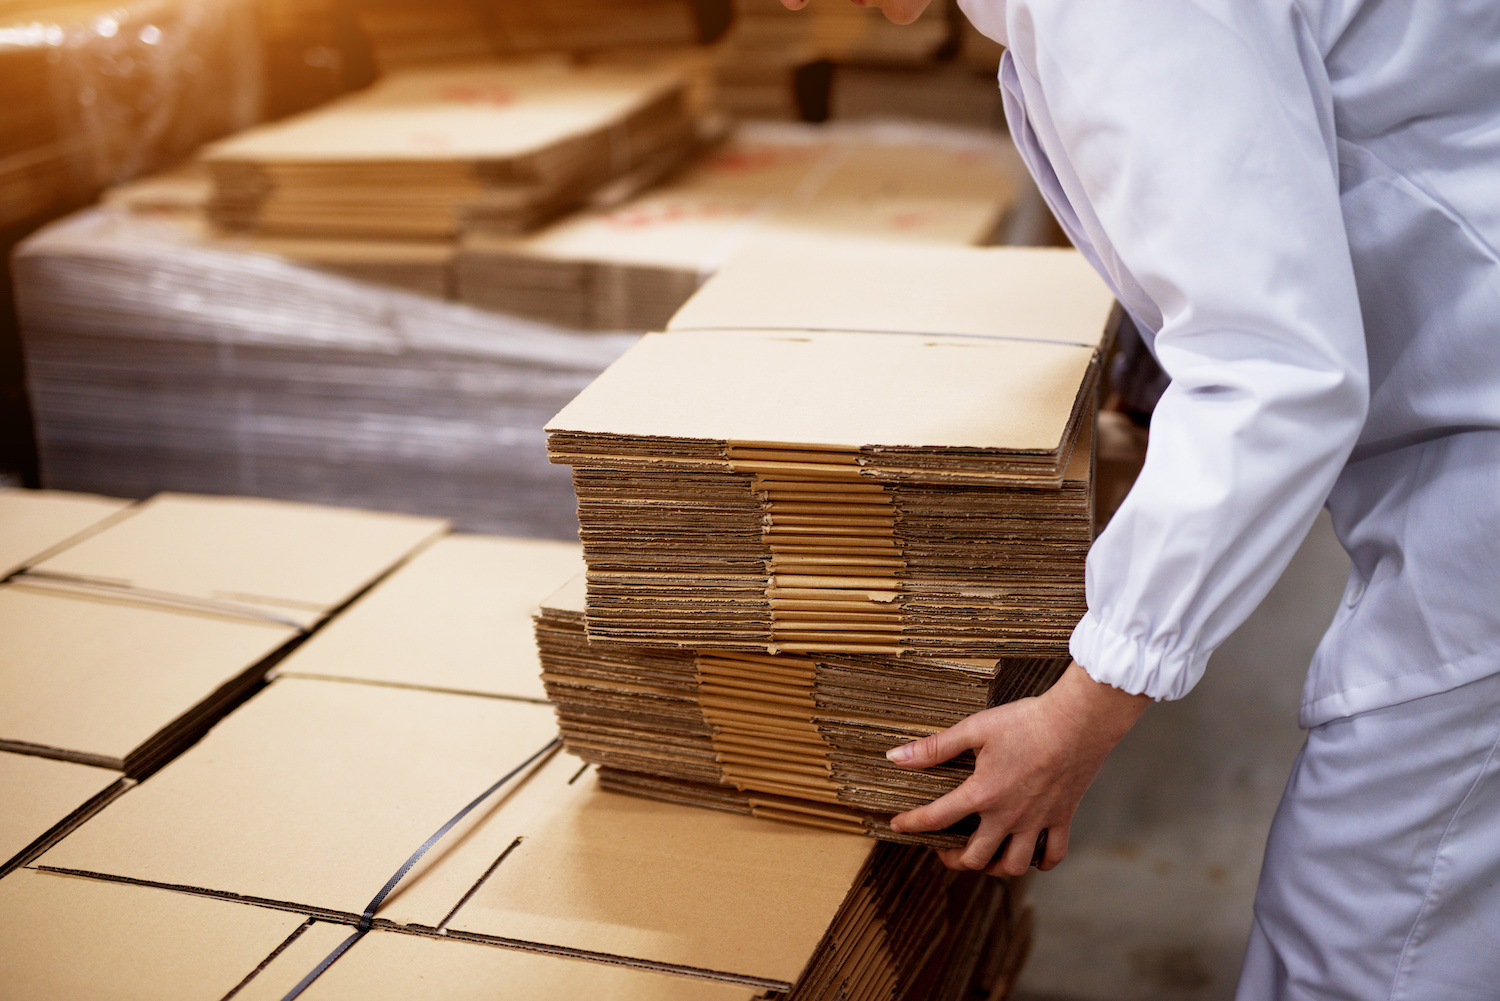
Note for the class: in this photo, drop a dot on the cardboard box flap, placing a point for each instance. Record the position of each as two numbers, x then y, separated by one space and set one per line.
95 679
386 965
34 522
456 617
68 937
300 560
41 794
837 389
313 793
572 597
1025 293
662 883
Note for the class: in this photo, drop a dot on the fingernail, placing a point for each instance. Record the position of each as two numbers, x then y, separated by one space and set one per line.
900 755
895 825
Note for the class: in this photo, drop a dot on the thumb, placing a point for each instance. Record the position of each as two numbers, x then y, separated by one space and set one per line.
936 749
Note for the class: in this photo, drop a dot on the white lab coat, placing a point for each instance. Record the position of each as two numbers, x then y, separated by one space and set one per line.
1299 203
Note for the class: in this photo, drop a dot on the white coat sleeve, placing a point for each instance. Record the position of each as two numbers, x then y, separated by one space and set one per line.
1194 142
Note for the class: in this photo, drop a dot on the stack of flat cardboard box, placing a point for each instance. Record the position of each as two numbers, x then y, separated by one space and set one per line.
632 266
770 53
158 361
408 33
256 852
431 153
822 522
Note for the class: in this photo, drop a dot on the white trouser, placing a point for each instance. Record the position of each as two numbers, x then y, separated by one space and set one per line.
1382 871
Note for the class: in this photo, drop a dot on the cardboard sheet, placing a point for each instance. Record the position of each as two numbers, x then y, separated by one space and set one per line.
74 938
118 683
654 882
456 617
34 522
296 561
1025 293
44 799
385 965
312 794
842 390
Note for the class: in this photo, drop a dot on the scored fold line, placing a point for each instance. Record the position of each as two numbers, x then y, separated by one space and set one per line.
367 918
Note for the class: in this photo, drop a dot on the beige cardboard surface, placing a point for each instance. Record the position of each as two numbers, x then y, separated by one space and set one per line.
841 389
313 793
386 965
32 522
299 560
74 939
457 617
39 793
664 883
99 677
454 113
829 284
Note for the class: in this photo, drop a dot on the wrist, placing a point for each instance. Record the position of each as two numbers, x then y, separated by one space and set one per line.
1093 707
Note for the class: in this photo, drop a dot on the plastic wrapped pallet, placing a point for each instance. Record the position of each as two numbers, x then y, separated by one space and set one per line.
98 92
157 362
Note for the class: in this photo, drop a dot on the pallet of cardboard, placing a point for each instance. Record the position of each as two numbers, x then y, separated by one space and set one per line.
431 153
312 794
127 643
630 267
456 618
818 458
781 736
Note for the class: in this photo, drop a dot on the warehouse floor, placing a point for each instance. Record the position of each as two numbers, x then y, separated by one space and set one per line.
1154 899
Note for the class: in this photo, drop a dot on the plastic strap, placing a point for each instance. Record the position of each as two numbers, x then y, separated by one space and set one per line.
367 919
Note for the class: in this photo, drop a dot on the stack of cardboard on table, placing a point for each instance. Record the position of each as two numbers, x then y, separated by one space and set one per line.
844 502
255 857
430 153
130 630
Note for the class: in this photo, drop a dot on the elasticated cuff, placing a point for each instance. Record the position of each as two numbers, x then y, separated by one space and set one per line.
1113 658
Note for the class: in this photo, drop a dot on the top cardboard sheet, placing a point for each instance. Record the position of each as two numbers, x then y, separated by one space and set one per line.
34 522
457 617
474 112
40 793
836 389
74 938
826 283
298 560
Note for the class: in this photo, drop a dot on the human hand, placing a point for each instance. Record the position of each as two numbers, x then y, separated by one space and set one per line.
896 11
1033 761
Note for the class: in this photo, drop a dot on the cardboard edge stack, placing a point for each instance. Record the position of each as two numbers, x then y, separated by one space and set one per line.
812 534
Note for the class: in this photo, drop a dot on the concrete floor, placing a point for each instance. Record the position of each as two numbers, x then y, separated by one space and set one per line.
1154 899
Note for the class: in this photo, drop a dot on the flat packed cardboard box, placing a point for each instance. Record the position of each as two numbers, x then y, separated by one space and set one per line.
33 523
44 800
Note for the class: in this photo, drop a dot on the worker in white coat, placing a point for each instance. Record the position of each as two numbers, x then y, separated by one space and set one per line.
1298 202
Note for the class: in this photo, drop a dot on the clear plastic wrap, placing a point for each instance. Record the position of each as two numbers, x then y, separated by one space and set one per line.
158 363
100 92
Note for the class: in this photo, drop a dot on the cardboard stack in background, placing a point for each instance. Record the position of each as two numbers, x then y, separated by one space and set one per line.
157 362
777 64
801 473
407 33
272 834
430 153
632 266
